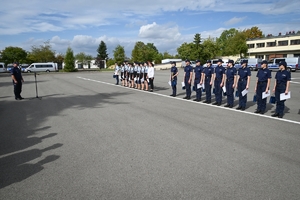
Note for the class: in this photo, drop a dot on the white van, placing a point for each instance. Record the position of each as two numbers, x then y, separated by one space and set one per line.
2 67
253 63
42 67
292 63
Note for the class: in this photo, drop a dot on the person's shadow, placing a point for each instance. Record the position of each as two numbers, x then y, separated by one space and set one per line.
14 168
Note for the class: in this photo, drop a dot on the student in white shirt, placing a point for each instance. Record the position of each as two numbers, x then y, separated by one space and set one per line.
151 75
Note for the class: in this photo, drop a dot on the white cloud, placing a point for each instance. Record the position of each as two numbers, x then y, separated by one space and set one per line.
155 31
234 20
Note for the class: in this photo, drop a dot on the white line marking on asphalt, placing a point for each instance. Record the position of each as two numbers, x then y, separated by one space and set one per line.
176 98
295 82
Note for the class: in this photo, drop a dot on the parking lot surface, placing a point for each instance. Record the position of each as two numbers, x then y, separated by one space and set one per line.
86 138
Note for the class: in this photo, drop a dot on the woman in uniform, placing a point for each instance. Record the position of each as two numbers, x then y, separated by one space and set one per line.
135 75
141 78
131 72
282 84
262 85
122 74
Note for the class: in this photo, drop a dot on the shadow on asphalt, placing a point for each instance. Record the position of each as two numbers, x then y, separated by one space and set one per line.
20 124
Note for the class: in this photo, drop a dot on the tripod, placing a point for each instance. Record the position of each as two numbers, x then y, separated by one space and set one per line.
36 89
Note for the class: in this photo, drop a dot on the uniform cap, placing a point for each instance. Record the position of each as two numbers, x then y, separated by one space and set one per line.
187 60
197 61
230 61
220 60
282 63
208 61
173 62
244 61
16 63
264 62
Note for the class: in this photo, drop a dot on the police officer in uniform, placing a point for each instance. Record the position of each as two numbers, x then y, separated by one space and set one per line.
17 80
187 79
230 83
198 80
244 75
282 84
173 78
219 77
208 80
262 85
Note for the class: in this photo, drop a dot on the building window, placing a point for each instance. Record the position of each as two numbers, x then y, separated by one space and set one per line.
283 43
271 44
296 55
259 56
259 45
295 42
250 46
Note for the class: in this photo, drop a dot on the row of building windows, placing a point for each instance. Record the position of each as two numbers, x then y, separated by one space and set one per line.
273 44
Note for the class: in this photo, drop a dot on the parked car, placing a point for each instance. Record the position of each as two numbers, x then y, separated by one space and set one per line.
193 63
2 67
42 67
292 63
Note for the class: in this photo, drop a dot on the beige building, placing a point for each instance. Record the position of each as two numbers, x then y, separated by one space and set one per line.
270 47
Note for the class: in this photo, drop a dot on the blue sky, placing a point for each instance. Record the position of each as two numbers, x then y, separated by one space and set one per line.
83 24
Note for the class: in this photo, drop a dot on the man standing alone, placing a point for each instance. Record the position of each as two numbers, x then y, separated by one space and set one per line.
17 81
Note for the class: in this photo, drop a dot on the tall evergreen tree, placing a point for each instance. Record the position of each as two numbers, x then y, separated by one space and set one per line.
69 61
102 51
198 46
119 54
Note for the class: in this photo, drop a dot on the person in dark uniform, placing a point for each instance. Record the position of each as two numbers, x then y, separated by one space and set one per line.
17 80
244 75
282 84
230 83
262 85
208 80
198 79
173 78
219 82
187 79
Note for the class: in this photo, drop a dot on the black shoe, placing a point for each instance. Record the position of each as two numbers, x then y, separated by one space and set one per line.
275 115
239 108
262 112
171 95
216 103
198 100
208 102
231 106
205 101
257 111
227 105
243 109
188 98
280 116
195 99
18 99
185 97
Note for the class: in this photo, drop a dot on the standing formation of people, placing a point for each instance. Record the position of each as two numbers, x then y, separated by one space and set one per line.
136 75
226 80
223 81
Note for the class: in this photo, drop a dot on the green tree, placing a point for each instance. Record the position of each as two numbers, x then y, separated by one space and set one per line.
119 54
167 55
238 44
187 51
197 46
224 41
69 61
102 51
138 52
42 53
210 49
12 54
253 32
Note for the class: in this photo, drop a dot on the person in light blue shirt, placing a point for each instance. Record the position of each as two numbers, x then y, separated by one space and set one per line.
117 71
146 76
126 67
122 74
138 81
135 74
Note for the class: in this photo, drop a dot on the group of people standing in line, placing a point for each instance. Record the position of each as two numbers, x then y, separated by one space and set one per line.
220 79
135 75
226 80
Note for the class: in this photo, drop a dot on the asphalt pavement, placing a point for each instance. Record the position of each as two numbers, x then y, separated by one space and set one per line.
87 138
